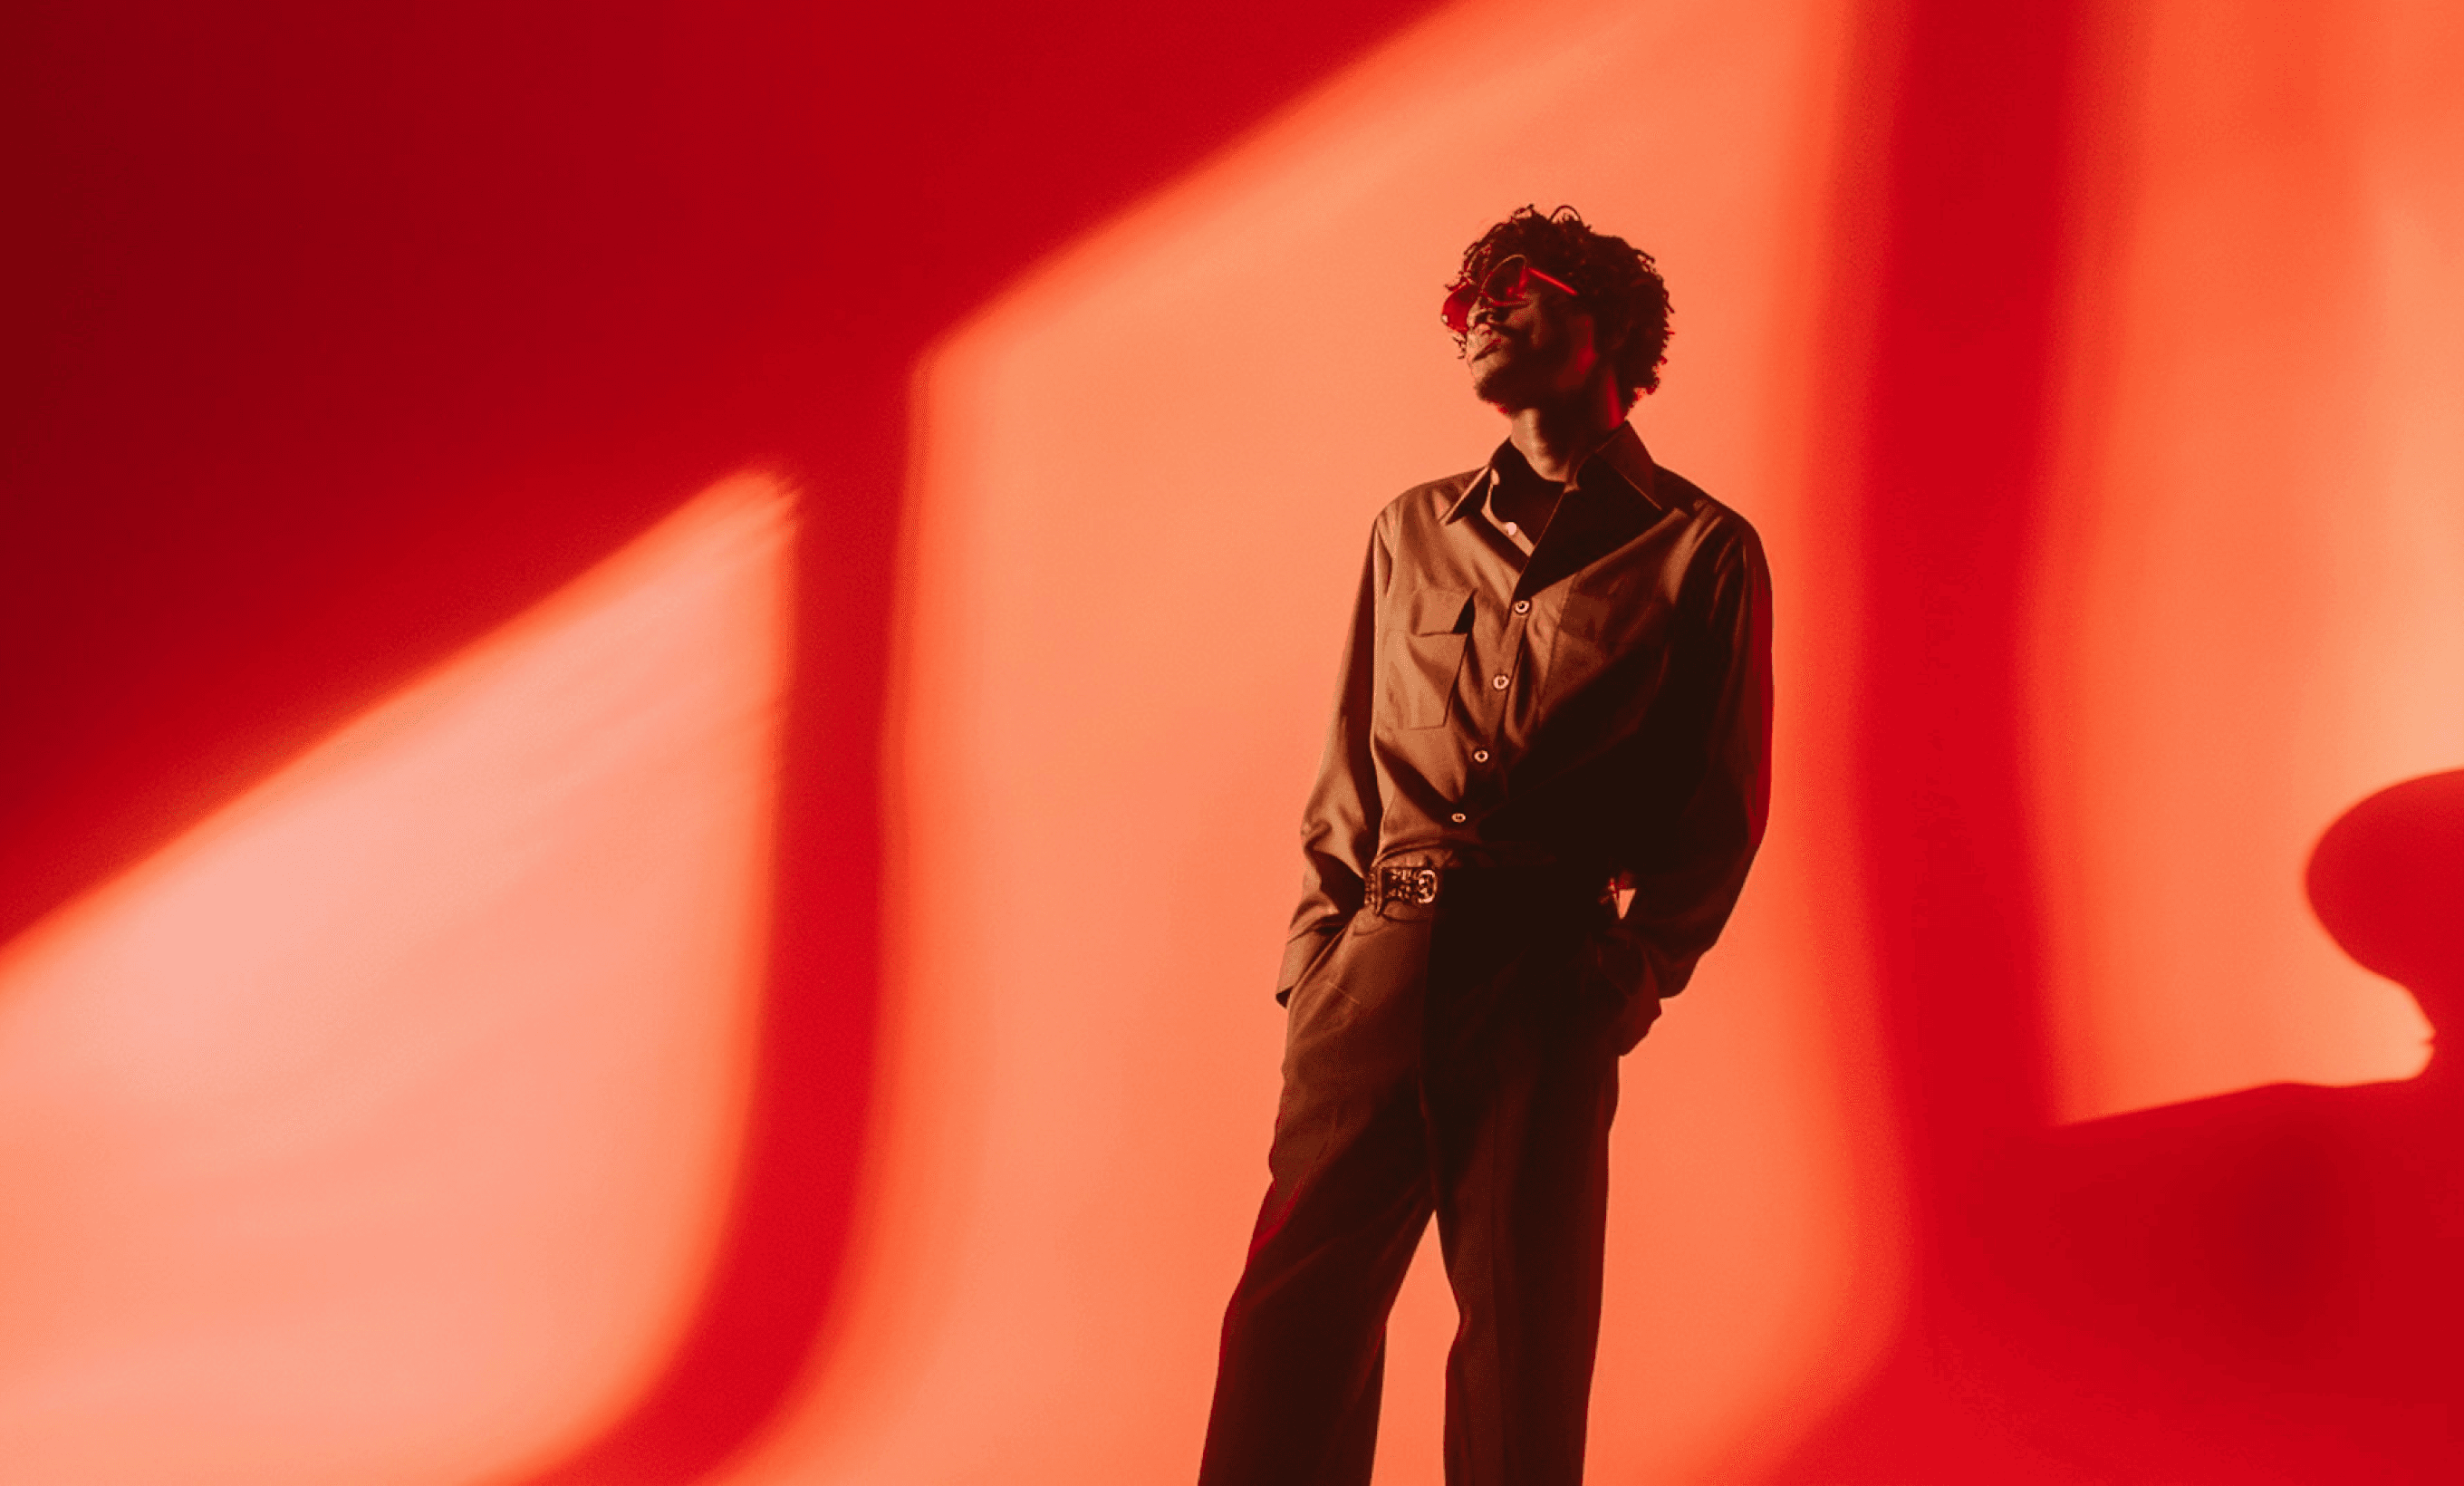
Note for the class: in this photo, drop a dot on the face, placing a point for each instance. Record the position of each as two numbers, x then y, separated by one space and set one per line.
1542 351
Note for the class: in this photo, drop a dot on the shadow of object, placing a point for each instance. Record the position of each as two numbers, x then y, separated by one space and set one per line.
2261 1287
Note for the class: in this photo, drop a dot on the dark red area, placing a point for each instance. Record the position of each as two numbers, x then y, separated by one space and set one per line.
1967 258
1952 254
340 335
2259 1288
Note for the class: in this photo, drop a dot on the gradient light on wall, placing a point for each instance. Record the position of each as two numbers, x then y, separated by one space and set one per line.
2250 595
1144 479
380 1128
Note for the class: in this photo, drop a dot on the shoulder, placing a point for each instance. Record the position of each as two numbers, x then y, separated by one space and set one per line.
1677 493
1424 507
1721 533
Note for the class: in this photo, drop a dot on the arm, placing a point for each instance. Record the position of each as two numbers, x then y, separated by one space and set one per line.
1686 879
1339 827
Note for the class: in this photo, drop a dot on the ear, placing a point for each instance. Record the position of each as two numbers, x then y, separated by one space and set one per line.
1608 343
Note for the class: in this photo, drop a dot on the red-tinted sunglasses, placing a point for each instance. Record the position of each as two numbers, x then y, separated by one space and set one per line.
1507 283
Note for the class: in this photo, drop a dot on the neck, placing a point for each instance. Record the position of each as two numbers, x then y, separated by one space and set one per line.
1554 437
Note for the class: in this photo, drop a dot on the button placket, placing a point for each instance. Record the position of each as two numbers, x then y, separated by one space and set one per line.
1484 710
1509 652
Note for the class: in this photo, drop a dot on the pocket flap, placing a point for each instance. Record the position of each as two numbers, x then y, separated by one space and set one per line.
1436 611
1602 604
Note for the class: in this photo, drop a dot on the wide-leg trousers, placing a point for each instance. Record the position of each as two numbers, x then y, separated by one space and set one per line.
1442 1061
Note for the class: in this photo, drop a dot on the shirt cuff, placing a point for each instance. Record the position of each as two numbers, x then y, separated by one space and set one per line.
1635 967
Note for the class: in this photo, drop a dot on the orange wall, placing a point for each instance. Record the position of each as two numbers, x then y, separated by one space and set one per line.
380 1129
2247 605
1142 480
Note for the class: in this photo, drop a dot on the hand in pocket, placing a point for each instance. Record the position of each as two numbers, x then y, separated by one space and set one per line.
1613 980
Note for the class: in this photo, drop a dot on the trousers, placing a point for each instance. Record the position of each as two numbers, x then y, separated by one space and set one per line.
1439 1060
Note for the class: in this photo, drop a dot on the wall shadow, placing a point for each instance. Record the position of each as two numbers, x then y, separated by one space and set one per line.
2260 1287
339 339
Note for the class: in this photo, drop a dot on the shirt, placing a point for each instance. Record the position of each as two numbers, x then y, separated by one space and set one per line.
1601 702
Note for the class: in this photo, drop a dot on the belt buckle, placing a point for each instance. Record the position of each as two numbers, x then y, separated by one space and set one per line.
1398 884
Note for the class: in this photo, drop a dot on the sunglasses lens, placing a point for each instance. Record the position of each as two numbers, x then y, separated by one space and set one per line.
1508 280
1507 283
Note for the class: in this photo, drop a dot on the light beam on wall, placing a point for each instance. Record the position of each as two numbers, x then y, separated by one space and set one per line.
1146 475
380 1128
2250 599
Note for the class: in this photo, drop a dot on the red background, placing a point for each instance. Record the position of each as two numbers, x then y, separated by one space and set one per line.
338 338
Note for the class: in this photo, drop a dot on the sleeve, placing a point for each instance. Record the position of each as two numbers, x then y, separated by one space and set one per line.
1339 827
1686 879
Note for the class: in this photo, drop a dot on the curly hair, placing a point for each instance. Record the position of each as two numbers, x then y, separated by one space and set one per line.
1614 280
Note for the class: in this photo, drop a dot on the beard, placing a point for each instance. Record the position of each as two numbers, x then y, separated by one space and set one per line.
1505 375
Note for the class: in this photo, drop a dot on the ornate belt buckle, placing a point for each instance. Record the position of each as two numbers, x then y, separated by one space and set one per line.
1408 884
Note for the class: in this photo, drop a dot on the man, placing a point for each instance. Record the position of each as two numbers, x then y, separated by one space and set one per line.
1557 682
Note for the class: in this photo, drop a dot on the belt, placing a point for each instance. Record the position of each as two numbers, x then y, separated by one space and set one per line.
1398 883
1418 884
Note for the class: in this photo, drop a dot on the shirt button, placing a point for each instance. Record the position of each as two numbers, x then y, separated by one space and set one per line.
1480 754
1522 605
1459 817
1511 528
1497 683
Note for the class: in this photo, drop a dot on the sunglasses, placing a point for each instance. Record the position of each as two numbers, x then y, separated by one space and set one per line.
1507 283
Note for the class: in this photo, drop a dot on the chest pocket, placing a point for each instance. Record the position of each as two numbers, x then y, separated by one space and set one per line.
1614 612
1425 650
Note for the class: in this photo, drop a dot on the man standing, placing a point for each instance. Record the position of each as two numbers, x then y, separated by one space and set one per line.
1558 683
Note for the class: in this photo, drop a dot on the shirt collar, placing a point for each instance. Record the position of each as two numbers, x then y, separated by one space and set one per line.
1619 464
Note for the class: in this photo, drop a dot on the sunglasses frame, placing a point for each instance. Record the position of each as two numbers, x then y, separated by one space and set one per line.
1464 295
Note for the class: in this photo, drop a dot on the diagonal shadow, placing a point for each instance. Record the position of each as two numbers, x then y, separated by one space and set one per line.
342 336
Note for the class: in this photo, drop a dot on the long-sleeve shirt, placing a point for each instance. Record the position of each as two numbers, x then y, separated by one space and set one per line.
1597 699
